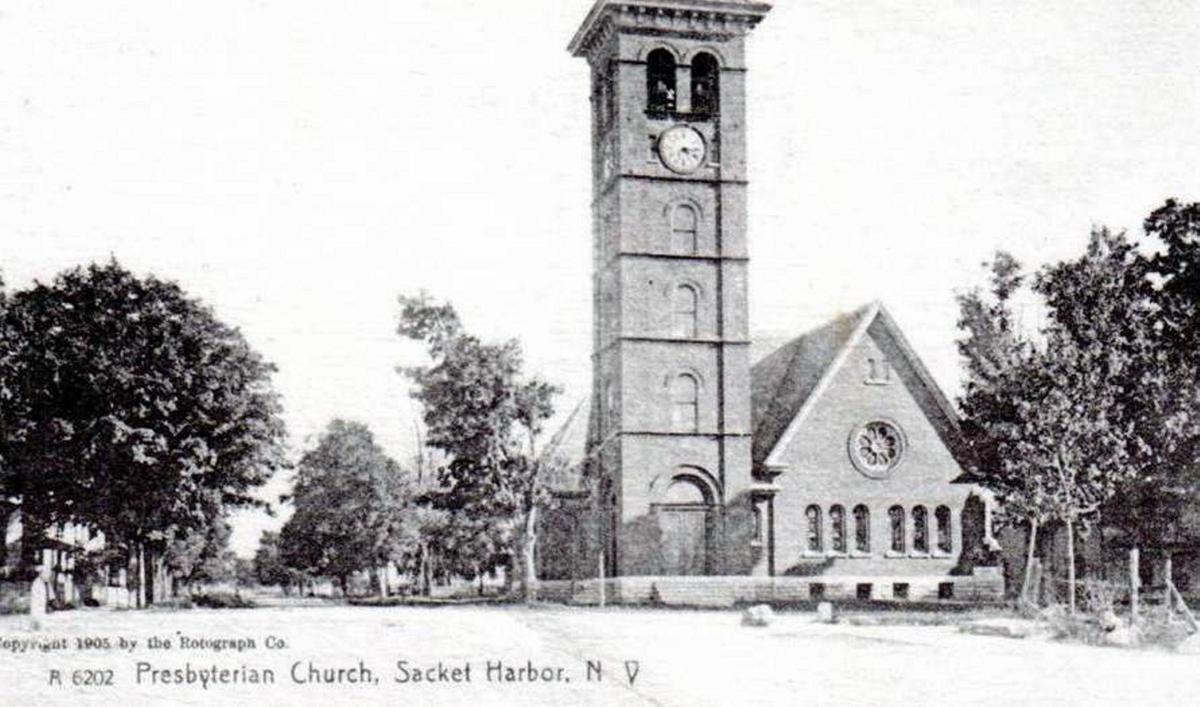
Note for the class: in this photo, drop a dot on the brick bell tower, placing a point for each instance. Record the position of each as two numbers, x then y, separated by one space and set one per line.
670 422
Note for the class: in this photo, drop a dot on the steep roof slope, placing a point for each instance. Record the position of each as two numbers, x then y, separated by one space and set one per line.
782 381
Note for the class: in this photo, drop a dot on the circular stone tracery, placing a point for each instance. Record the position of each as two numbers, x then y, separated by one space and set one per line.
876 448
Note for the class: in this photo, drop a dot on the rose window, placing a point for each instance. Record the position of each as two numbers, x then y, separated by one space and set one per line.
876 447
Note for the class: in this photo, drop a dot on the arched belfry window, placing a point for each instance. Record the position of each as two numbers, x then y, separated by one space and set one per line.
686 306
685 403
660 81
685 225
706 85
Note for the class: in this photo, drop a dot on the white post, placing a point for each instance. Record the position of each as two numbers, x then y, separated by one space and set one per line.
600 580
1135 583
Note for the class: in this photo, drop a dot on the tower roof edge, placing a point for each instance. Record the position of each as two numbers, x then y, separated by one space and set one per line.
724 16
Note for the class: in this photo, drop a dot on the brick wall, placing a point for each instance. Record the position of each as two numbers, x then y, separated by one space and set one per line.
983 586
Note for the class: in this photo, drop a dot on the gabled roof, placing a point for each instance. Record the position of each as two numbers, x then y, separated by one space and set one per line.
567 449
786 384
785 379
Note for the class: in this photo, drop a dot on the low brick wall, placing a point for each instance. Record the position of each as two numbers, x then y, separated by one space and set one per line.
986 585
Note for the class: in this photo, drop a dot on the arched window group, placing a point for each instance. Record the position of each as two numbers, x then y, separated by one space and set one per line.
662 95
839 533
685 403
920 529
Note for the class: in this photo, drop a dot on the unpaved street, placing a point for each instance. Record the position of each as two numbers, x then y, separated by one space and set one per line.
483 656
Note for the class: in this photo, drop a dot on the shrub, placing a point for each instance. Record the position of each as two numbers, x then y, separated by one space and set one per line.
222 600
183 602
13 601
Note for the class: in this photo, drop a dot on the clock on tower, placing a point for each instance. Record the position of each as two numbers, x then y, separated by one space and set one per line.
670 421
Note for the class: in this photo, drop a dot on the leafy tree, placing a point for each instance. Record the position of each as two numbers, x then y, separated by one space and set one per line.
7 500
1050 421
6 350
269 567
243 571
201 555
349 498
422 538
132 410
486 418
1151 510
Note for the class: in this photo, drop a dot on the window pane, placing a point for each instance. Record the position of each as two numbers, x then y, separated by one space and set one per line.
944 543
862 529
814 529
684 397
896 519
837 518
660 82
686 305
920 529
706 85
685 223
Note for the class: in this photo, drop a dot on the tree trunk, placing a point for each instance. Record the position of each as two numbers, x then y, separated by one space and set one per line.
1033 531
425 588
528 549
383 581
1071 564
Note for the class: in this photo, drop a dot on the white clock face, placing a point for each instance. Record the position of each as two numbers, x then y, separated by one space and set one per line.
682 149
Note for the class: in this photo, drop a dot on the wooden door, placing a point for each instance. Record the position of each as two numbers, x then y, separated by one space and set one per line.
685 533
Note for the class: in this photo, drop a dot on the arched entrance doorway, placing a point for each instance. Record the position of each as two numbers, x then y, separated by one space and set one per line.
685 519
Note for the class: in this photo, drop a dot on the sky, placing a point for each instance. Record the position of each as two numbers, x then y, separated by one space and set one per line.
298 164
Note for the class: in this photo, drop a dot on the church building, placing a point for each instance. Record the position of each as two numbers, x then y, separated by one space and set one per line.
829 459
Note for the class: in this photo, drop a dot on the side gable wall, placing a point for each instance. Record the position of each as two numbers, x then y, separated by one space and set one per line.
820 471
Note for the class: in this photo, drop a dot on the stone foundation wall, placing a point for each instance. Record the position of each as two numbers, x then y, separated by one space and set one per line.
985 585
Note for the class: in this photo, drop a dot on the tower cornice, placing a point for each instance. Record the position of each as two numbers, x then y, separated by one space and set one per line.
704 18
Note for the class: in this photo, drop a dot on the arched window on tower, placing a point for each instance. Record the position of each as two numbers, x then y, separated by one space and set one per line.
685 403
812 517
660 81
686 307
837 522
862 529
920 529
942 518
685 224
706 85
896 521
